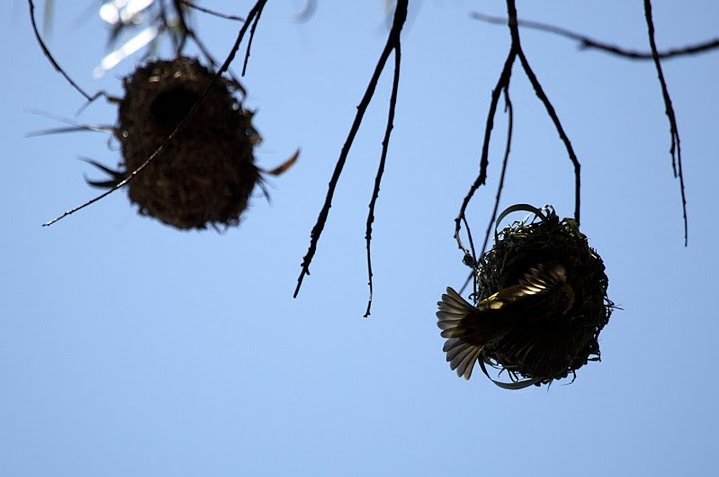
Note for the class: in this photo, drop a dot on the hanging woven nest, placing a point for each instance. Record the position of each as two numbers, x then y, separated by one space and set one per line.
540 304
206 173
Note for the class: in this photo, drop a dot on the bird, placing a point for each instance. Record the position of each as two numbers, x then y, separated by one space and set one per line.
541 293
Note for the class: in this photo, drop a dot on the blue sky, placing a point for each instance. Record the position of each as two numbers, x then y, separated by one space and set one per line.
130 348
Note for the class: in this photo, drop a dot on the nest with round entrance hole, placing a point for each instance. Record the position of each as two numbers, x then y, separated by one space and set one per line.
206 172
543 290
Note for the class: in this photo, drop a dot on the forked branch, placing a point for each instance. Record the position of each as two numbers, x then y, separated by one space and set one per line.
515 51
392 44
676 145
586 42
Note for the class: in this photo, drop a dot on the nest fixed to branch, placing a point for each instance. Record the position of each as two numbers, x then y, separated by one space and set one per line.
540 304
206 173
540 351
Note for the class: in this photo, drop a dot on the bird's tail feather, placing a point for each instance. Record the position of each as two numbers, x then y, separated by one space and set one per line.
461 355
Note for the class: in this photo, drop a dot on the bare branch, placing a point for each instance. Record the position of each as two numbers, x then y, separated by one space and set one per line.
470 256
49 56
393 40
539 91
676 148
190 32
380 168
502 83
211 12
508 146
255 21
586 42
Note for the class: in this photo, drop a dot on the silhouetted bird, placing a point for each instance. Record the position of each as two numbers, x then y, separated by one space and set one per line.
541 294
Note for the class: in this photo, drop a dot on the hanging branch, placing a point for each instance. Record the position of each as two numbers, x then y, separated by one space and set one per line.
502 83
507 148
588 43
508 145
515 51
190 32
255 21
655 55
539 91
50 58
393 43
256 9
210 12
676 148
380 168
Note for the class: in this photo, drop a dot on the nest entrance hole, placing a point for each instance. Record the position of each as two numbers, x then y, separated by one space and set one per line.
171 106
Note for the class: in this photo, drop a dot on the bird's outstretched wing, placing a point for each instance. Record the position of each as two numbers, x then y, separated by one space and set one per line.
468 328
539 281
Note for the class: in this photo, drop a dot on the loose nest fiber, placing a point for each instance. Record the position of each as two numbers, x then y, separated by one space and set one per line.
206 173
540 351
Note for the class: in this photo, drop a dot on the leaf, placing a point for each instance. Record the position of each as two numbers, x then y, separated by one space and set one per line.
282 168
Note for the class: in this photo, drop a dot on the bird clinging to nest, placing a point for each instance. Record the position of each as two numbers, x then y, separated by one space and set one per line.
539 306
541 294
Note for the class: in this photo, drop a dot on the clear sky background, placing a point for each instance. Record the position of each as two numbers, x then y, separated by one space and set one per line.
130 348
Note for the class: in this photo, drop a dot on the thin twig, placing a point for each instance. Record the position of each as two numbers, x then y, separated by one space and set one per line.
185 30
190 32
539 91
180 126
49 56
249 42
380 168
586 42
507 148
676 148
68 129
508 145
502 82
393 39
211 12
515 51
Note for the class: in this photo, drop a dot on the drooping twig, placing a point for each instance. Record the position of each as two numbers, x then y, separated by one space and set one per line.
380 168
508 146
106 128
676 147
180 126
539 91
502 82
50 58
255 21
211 12
72 125
586 42
515 51
393 40
189 32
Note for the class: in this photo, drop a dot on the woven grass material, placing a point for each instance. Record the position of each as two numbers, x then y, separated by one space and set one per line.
540 351
207 173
